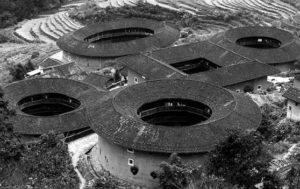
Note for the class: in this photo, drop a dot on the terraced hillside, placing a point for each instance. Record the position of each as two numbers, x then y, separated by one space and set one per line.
48 28
219 15
215 16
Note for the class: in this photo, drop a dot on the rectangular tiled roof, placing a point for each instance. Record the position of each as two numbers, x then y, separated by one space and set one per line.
149 67
49 62
292 94
97 80
203 49
234 74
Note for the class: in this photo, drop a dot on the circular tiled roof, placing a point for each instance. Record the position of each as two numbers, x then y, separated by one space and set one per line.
76 43
69 121
115 117
288 50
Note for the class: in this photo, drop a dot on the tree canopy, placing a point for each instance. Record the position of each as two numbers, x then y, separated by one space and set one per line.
241 160
12 11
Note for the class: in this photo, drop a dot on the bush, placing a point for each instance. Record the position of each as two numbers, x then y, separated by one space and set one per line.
248 89
105 183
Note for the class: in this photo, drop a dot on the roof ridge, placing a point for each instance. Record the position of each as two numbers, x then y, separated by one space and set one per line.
233 52
165 64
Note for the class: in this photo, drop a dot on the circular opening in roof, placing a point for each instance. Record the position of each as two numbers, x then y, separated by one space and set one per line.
259 42
119 35
174 112
48 104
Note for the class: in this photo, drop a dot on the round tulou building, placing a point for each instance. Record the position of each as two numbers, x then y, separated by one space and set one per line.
141 125
91 46
268 45
46 104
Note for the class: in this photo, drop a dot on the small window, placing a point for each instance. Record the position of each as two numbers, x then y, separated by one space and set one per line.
130 162
296 103
259 87
238 91
290 108
130 150
136 80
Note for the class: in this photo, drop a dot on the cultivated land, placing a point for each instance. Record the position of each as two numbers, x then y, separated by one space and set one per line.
212 16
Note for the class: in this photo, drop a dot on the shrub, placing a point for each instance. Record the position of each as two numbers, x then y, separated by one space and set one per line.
248 88
105 183
18 71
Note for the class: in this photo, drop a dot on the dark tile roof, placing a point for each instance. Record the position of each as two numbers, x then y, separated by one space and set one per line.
49 62
115 117
97 80
164 35
203 49
62 71
292 94
35 125
287 52
235 74
149 67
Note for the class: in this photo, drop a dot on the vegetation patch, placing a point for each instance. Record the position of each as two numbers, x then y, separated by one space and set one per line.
242 160
44 164
92 13
13 11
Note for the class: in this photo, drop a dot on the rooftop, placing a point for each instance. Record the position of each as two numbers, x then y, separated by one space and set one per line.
119 38
263 44
49 62
149 67
97 80
204 49
36 102
234 74
115 116
292 94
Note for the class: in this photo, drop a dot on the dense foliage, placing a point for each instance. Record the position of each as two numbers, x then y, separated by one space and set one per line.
48 163
294 3
11 149
12 11
293 177
241 159
18 71
271 115
173 174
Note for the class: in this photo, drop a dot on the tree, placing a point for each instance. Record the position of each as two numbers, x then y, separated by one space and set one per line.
11 149
241 160
48 163
172 174
18 71
293 176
